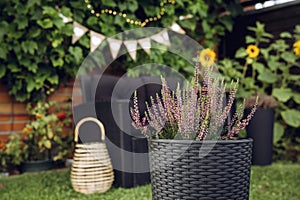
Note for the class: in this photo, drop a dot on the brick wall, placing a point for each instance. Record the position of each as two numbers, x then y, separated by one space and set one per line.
13 115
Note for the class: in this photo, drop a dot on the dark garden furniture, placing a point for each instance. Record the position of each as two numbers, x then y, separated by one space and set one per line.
124 162
260 129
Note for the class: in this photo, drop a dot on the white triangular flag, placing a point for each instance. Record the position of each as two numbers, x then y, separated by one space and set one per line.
78 31
114 46
175 27
161 37
96 40
131 48
145 43
189 16
65 19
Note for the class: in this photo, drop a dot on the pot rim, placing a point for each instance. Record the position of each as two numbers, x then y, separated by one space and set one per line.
249 140
37 161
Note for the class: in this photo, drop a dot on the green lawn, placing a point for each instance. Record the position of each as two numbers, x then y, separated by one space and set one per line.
276 182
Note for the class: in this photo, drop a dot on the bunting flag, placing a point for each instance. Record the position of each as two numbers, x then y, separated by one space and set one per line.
78 31
145 43
114 46
131 46
176 28
189 16
162 37
96 40
65 19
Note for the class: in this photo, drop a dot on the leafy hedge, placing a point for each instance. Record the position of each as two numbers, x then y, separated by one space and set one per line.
36 53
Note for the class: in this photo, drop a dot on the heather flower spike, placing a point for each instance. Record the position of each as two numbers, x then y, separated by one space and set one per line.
198 111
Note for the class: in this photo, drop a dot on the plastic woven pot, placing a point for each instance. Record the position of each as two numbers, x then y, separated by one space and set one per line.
182 169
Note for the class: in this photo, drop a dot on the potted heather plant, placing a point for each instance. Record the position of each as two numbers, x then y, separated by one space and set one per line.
193 152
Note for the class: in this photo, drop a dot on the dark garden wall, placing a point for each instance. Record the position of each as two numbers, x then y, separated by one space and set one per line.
277 19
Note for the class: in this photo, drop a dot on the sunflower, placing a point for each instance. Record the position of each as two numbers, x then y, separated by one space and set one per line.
207 57
297 48
252 51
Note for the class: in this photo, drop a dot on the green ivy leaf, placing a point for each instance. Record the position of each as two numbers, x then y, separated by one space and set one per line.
57 41
30 85
109 3
34 32
33 67
291 117
29 47
3 30
189 24
92 21
68 30
282 94
76 52
31 3
2 71
132 5
226 21
48 10
57 21
13 67
278 132
56 61
46 23
66 11
21 21
206 27
53 79
267 77
3 51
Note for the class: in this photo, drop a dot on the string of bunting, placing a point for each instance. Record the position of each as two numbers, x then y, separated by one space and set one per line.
125 16
115 45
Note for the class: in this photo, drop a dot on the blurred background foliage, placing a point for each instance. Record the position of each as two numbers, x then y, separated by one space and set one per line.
36 54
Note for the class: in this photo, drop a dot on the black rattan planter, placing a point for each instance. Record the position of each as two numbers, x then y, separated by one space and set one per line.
220 170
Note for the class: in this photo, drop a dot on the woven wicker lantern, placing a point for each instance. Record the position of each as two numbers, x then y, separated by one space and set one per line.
91 170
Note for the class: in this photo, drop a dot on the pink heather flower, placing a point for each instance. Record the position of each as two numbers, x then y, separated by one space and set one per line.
194 112
135 113
242 124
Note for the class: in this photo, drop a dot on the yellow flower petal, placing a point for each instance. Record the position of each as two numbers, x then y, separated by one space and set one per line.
252 51
207 57
297 44
297 51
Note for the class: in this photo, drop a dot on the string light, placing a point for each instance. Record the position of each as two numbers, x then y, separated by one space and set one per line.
124 15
